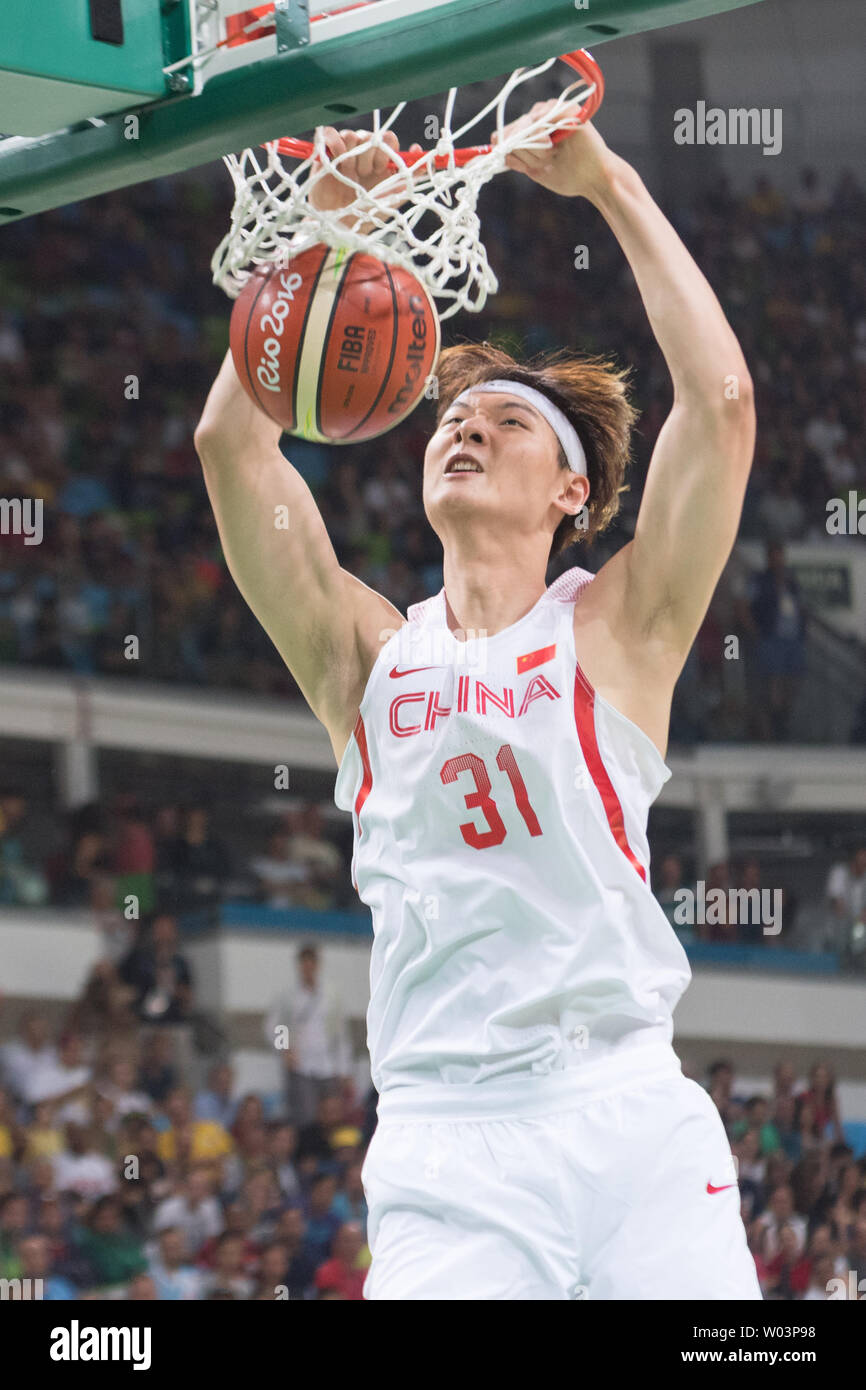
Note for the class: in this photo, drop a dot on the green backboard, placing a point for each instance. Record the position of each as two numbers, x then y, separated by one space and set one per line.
174 93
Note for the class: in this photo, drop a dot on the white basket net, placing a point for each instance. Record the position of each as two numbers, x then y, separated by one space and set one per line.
273 217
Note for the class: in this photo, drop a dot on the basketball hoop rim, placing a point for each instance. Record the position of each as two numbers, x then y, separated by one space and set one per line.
581 61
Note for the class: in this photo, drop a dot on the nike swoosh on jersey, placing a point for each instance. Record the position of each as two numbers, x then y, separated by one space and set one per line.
723 1188
410 670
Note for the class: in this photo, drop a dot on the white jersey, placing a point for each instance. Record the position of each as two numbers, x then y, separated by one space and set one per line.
500 809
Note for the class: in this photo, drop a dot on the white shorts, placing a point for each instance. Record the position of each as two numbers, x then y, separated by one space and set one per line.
593 1183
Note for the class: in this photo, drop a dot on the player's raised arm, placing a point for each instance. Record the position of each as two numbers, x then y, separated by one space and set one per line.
326 624
694 492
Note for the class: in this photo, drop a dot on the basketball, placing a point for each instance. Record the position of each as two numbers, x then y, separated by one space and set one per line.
335 347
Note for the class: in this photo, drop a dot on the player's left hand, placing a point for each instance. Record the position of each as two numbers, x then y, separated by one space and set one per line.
572 167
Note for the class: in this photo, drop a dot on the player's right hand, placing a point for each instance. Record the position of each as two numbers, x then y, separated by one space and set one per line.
328 193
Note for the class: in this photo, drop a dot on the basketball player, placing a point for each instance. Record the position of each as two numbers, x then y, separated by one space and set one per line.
499 752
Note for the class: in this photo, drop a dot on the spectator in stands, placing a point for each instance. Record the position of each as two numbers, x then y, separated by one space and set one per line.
158 1073
785 1122
159 974
312 1021
721 924
215 1101
120 1088
322 860
34 1256
86 858
821 1096
238 1221
175 1279
117 931
251 1150
187 1140
720 1082
20 881
272 1280
132 856
780 512
198 862
22 1057
282 1147
228 1274
820 1277
779 623
115 1254
350 1203
279 878
787 1273
81 1168
752 1167
825 431
346 1270
67 1262
846 895
291 1232
104 1012
757 1121
44 1136
193 1208
844 1209
321 1222
670 882
824 1241
65 1081
780 1212
14 1218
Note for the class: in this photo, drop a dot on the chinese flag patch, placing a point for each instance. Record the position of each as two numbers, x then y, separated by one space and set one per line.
530 660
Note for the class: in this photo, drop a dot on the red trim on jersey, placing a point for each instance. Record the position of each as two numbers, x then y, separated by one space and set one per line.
367 782
584 718
530 660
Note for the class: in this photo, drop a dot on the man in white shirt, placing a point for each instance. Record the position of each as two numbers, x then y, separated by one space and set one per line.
81 1168
119 1088
280 877
63 1079
26 1054
308 1028
193 1209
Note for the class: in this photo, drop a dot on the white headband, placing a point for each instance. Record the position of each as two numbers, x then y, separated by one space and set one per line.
561 426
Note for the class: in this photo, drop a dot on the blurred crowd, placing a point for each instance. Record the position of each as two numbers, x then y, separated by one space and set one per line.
741 904
802 1191
169 858
131 1169
111 333
122 1178
100 856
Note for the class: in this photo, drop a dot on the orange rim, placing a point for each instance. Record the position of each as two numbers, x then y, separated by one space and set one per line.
581 61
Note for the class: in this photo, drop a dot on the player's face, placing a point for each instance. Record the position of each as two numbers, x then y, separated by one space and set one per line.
517 458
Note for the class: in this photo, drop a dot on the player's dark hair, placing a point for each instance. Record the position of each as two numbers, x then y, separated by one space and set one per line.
592 394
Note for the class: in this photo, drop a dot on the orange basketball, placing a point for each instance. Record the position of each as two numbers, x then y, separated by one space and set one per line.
337 346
